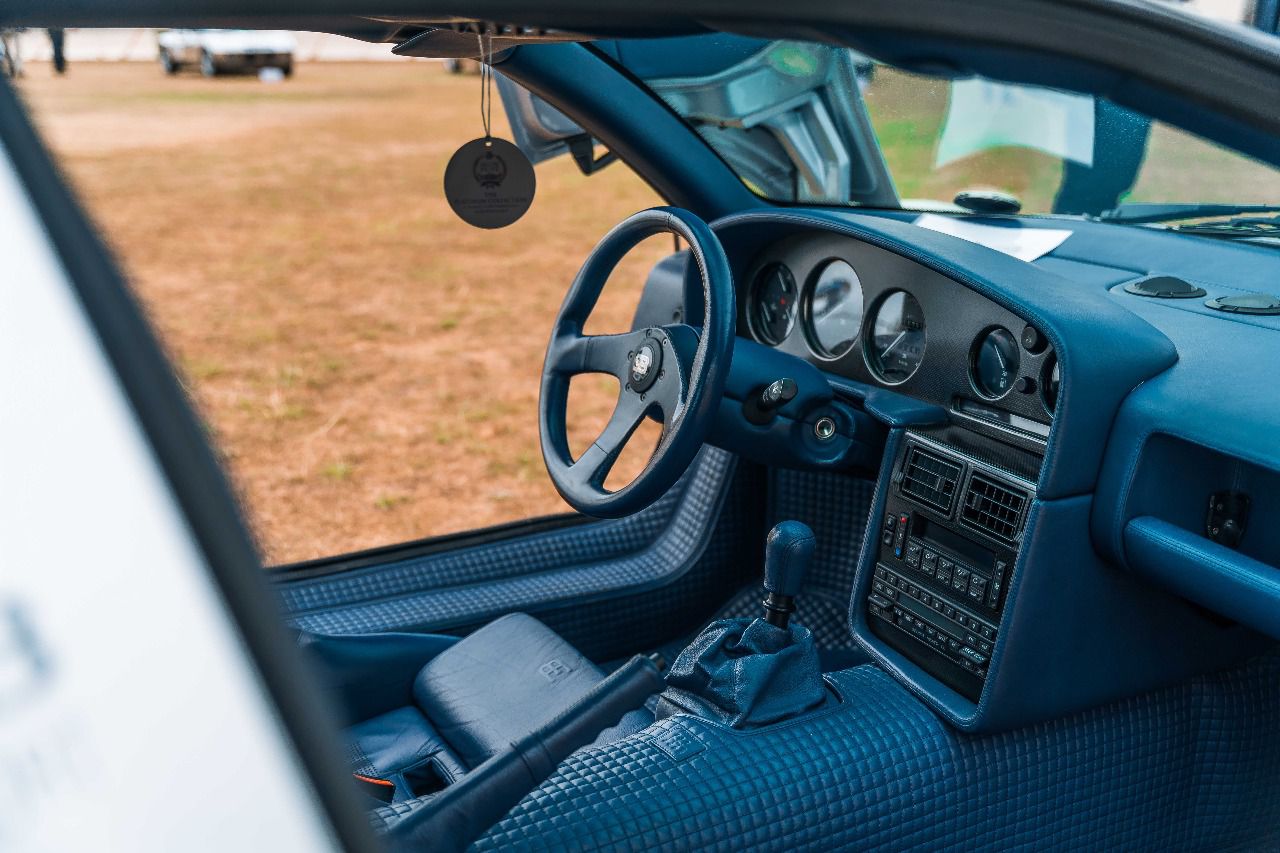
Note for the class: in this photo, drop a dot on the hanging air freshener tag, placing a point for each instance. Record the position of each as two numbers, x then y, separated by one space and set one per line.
489 183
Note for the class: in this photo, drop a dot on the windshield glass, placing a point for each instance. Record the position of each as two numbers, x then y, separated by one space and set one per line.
811 123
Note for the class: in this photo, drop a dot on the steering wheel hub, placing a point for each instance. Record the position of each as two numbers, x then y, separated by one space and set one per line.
646 364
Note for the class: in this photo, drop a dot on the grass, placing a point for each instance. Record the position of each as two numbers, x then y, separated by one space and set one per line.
368 364
330 315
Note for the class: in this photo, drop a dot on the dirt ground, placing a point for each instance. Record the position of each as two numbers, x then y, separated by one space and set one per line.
366 364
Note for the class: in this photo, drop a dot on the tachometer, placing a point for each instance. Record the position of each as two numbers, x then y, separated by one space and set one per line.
995 362
833 310
895 346
771 309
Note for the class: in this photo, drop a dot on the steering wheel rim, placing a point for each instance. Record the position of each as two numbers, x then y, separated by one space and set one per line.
675 370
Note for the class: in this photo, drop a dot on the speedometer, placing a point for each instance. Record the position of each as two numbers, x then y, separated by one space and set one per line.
895 344
771 309
833 310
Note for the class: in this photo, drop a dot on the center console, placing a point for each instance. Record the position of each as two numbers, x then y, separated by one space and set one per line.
948 540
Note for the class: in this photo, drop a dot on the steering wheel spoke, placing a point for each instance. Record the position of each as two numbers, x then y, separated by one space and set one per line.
595 463
574 354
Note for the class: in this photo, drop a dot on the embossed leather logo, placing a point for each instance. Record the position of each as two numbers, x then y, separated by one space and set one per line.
554 670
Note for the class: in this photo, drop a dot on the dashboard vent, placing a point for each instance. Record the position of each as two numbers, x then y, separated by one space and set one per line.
930 479
993 507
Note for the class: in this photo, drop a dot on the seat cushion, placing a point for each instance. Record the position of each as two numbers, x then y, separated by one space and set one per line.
504 681
401 747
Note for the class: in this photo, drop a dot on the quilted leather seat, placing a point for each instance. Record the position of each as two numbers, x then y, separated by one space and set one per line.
471 700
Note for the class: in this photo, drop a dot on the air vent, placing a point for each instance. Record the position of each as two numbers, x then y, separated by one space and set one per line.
993 507
930 479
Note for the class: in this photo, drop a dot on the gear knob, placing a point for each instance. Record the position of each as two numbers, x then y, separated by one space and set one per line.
787 553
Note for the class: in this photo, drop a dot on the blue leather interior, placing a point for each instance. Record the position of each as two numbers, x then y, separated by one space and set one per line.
498 684
745 674
371 673
610 588
426 709
403 748
788 439
1104 350
1189 767
1213 575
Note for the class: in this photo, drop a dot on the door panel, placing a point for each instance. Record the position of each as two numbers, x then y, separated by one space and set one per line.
609 587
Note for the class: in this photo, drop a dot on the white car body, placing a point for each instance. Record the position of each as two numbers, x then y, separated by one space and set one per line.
216 51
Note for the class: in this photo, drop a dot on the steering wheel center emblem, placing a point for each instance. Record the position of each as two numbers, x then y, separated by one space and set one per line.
646 363
641 364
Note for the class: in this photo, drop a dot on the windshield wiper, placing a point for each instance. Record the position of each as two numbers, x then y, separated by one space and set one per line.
1139 212
1239 228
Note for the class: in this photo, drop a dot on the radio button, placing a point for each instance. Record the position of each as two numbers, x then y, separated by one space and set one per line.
960 580
930 562
977 588
945 568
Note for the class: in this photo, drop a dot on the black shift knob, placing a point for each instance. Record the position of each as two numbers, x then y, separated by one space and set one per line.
787 554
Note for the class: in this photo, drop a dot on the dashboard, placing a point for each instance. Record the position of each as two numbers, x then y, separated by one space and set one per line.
867 314
1037 542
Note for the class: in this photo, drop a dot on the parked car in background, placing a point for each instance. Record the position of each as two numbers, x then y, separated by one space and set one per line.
217 52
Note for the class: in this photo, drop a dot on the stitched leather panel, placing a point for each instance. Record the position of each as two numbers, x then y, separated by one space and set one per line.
610 560
1188 767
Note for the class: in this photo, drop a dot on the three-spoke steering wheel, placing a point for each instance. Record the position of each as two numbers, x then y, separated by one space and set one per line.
675 371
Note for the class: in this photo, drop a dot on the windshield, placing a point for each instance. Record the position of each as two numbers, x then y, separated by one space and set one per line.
810 123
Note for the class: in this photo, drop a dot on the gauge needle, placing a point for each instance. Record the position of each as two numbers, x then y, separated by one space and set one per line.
890 347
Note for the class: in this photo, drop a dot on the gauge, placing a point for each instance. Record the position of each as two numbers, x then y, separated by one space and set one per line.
1050 383
833 312
772 307
995 362
895 346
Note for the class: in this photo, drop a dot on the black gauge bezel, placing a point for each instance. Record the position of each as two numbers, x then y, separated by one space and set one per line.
975 350
1046 371
806 311
753 299
868 336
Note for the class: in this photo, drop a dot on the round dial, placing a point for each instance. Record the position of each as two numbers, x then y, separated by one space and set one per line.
771 310
996 360
1050 383
895 346
834 310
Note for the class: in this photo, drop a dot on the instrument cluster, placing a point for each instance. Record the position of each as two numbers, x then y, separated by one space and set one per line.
861 312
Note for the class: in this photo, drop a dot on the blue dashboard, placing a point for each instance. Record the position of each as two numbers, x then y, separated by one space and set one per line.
1071 520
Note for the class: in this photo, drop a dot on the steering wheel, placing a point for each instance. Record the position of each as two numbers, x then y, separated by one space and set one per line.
675 371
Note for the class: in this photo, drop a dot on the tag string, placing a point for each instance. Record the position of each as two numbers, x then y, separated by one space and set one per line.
486 81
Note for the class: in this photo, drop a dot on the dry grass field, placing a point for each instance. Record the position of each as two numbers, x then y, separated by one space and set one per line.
367 364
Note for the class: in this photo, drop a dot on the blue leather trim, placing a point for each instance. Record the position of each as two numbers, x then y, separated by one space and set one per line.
1223 580
371 674
1075 631
1189 767
598 585
1104 351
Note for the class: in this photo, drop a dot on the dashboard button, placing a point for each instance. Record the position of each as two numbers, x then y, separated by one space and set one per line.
977 588
960 580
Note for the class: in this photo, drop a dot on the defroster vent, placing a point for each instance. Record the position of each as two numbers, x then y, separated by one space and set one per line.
930 479
993 507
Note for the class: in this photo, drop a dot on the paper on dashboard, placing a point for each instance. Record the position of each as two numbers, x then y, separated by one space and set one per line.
1025 244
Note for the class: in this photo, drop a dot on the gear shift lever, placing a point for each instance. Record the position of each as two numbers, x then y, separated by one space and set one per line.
753 672
787 553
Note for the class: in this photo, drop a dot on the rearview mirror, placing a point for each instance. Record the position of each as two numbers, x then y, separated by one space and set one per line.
542 132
